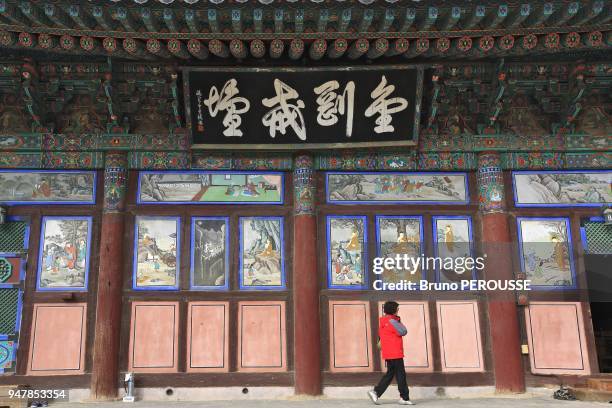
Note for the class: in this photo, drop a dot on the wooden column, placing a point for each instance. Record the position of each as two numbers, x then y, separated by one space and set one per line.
307 325
104 379
503 316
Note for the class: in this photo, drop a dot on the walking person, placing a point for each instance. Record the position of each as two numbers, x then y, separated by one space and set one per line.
390 332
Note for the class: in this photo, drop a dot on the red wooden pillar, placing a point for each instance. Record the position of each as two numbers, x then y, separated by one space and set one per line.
503 316
104 379
305 283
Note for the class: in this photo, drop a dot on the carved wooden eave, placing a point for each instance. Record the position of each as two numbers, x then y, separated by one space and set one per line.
212 30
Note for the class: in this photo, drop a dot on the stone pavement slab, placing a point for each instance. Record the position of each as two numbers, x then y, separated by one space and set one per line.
509 402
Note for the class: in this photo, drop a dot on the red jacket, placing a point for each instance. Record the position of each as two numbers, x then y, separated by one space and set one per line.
390 331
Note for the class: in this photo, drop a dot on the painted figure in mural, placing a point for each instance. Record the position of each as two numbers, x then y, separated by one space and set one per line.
559 252
261 255
399 236
384 106
80 116
156 257
523 119
149 120
594 120
12 119
449 238
353 244
209 246
331 104
455 122
283 113
228 100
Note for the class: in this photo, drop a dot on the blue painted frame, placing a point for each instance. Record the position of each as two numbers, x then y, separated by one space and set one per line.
570 251
94 191
283 284
267 173
407 202
364 219
227 253
177 220
403 217
41 248
514 191
434 225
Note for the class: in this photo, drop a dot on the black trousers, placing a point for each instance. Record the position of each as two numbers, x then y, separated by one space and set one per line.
395 368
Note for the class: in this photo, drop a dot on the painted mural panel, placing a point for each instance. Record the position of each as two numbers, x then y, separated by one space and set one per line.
261 253
545 247
562 188
452 245
389 188
63 262
44 187
346 252
209 252
210 188
156 264
397 235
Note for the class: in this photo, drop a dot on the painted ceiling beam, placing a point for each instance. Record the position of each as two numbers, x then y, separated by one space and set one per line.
454 15
417 47
299 20
387 20
148 19
358 48
90 44
338 48
322 20
565 13
279 16
236 21
192 20
430 18
238 49
366 20
540 16
135 48
278 46
124 17
170 20
257 48
588 13
345 20
296 49
517 16
218 48
398 47
258 20
495 19
378 48
197 49
317 49
57 15
409 18
477 15
10 13
213 24
101 17
32 12
178 49
80 17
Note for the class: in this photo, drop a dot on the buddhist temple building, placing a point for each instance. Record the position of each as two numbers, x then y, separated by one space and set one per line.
204 193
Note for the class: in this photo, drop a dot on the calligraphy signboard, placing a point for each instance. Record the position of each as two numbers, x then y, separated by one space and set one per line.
261 108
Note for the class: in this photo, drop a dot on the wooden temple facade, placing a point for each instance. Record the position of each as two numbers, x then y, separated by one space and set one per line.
124 248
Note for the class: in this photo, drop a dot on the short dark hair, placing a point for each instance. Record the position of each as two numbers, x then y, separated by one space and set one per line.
390 307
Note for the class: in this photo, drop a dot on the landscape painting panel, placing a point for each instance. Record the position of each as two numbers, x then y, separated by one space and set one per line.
42 187
64 260
261 252
545 251
347 249
452 241
399 236
397 187
203 187
156 259
563 188
209 246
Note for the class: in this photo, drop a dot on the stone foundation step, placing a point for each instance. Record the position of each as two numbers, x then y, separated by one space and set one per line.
603 384
590 394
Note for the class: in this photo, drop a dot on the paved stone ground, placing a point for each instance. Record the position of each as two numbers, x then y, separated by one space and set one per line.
539 402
